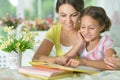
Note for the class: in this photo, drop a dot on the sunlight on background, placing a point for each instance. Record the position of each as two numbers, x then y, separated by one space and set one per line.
14 2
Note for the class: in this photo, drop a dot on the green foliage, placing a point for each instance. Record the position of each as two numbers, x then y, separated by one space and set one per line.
6 7
23 45
47 8
11 43
89 2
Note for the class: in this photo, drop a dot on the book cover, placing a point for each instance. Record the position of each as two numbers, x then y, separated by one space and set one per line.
50 78
81 69
44 73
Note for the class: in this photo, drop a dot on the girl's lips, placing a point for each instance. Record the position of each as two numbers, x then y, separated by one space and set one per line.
87 36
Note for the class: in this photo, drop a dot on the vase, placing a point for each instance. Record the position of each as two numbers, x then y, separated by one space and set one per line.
15 60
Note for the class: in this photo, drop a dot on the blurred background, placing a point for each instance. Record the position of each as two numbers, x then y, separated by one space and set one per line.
30 10
39 15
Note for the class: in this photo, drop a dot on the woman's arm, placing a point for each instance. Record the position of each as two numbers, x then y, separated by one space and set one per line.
42 54
113 63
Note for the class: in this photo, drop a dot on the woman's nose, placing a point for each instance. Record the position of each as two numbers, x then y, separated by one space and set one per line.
68 19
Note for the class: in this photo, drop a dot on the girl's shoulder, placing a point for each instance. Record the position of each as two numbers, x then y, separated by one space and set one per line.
105 42
105 39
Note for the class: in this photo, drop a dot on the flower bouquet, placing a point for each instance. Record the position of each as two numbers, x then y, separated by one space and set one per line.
15 45
18 44
11 21
38 24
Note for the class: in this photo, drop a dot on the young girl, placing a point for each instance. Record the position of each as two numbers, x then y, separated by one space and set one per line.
94 21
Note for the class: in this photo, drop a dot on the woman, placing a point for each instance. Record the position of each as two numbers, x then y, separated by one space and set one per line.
64 35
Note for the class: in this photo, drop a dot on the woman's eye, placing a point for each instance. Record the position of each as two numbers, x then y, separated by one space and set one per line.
63 15
74 15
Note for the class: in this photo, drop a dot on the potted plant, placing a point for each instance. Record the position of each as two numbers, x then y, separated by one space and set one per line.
16 45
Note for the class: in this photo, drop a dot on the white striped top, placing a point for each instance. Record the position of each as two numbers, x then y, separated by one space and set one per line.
98 52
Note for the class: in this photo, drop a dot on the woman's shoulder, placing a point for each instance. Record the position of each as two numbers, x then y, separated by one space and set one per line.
56 25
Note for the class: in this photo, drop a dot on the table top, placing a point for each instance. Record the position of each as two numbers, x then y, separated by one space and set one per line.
8 74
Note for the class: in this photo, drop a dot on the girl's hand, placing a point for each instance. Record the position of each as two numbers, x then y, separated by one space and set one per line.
80 38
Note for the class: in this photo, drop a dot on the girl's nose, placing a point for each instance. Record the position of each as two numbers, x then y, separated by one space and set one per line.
86 31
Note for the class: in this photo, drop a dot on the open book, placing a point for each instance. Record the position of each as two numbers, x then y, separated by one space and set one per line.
80 69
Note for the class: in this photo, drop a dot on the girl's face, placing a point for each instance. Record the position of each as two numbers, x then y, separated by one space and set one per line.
68 16
90 29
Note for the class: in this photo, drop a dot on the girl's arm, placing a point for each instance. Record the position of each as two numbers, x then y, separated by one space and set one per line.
100 64
77 47
74 51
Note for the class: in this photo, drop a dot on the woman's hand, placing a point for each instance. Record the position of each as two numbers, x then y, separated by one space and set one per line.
75 62
62 60
113 63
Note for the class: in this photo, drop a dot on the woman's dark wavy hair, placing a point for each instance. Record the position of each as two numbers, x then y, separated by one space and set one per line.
78 5
99 14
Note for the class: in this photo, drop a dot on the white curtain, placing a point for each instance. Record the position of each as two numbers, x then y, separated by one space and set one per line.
20 9
112 7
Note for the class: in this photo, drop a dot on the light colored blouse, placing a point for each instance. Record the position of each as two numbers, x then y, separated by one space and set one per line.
53 35
99 51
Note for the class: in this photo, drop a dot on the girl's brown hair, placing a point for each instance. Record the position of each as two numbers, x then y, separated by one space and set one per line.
99 14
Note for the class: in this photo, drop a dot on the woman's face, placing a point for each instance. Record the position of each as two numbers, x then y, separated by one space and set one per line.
90 29
68 16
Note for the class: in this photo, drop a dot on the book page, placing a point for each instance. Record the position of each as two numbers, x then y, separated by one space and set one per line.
82 69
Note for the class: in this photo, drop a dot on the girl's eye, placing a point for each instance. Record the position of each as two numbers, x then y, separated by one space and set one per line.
92 27
82 26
